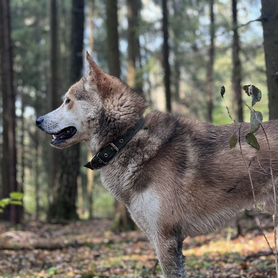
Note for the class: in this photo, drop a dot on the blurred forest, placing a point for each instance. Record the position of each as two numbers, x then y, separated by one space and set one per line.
177 53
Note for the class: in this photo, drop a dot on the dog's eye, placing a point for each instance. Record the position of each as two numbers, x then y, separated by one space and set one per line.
67 101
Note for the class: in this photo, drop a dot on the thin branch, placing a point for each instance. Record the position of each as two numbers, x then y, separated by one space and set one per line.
275 216
259 19
253 192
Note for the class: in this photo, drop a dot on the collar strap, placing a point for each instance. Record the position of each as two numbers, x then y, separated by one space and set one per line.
107 153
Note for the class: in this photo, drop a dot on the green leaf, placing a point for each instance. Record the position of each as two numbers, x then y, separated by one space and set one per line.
233 141
256 120
16 196
16 203
252 140
222 91
4 202
52 271
254 92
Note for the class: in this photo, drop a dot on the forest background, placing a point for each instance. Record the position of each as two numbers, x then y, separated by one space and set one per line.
177 53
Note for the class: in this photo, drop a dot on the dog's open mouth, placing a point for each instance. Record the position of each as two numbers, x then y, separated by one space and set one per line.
63 135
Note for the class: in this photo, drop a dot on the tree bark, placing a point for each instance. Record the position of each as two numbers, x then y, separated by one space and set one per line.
113 52
177 14
36 174
236 74
54 56
166 50
91 174
210 70
22 142
122 217
64 204
9 126
53 90
270 31
90 189
134 79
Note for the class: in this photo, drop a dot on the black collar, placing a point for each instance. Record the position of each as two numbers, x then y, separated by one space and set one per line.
108 152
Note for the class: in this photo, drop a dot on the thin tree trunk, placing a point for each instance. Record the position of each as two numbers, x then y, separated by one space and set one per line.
64 204
210 72
270 30
91 174
113 51
236 74
22 142
36 174
134 79
9 126
122 217
53 91
166 50
54 56
177 79
177 14
90 189
92 25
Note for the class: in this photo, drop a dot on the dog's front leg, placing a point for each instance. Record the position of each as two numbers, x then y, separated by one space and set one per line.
171 259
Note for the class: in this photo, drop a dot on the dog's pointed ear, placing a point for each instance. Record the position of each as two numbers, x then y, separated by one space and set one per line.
105 83
95 70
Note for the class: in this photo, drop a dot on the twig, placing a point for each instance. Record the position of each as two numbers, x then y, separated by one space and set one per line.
257 255
240 26
253 192
275 216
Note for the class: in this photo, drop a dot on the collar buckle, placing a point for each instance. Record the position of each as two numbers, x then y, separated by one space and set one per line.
107 153
114 147
100 159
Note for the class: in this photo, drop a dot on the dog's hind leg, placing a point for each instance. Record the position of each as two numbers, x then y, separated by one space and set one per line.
171 259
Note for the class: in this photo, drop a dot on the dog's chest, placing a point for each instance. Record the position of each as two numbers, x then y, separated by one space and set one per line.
145 210
120 180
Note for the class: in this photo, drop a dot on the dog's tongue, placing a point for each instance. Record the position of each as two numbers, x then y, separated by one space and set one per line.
64 134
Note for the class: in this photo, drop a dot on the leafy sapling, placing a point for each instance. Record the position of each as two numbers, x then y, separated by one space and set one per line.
15 199
256 117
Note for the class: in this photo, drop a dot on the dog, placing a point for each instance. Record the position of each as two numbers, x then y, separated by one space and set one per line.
177 177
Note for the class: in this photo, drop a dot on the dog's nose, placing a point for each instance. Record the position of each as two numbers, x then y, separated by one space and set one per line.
39 121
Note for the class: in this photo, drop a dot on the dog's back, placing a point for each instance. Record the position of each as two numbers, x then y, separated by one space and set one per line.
201 180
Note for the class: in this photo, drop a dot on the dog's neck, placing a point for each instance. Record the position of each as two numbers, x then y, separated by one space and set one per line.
109 151
108 130
119 113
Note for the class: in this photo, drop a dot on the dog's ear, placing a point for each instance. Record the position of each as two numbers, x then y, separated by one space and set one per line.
105 83
95 71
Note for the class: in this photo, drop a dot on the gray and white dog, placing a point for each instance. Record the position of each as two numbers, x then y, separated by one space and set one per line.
176 176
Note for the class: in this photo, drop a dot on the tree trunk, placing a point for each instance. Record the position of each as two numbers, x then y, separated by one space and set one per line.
22 143
36 174
64 204
210 70
9 126
166 50
113 51
270 30
134 79
92 25
54 99
177 14
123 220
236 74
91 174
90 189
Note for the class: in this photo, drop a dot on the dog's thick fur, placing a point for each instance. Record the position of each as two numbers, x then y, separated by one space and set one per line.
177 177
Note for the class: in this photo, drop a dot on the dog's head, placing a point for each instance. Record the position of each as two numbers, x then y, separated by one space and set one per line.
98 107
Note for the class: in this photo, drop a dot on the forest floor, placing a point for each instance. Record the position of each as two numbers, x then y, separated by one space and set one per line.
88 249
